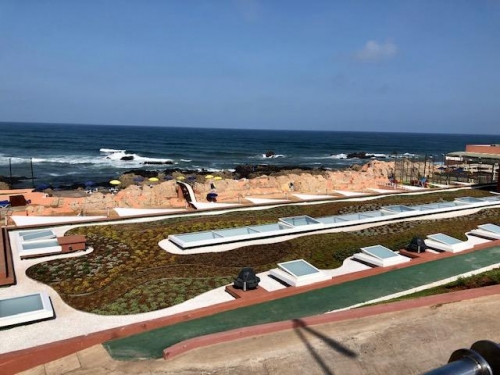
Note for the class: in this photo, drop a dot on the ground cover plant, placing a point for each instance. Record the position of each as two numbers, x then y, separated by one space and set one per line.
129 273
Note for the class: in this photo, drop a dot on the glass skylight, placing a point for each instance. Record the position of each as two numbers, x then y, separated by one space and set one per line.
298 268
305 223
490 228
379 252
25 309
299 220
36 235
444 238
398 208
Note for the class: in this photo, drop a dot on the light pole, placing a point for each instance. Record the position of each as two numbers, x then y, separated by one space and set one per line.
425 164
10 172
431 167
32 175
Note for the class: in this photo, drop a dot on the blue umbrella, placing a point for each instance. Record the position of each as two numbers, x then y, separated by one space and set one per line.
89 183
168 177
139 179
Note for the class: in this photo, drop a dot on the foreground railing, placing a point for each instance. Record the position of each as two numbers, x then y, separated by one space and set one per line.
483 358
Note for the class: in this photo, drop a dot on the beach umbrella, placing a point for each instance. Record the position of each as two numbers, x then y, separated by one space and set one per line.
191 178
138 179
89 183
209 176
217 178
115 182
154 179
168 177
181 177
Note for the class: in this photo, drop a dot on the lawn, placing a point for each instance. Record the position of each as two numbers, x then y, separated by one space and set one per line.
128 272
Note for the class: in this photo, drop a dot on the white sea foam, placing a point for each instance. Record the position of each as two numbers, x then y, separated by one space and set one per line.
275 156
63 174
338 156
4 160
110 150
122 156
380 156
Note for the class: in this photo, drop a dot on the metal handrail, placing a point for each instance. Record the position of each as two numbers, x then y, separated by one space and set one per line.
483 358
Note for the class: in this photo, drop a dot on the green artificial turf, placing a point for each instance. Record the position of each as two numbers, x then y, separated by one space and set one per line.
152 343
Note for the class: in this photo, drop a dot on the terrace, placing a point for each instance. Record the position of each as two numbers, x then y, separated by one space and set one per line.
235 231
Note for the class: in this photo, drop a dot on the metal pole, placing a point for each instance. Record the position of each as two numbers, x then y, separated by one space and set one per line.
32 175
483 358
10 171
465 366
425 164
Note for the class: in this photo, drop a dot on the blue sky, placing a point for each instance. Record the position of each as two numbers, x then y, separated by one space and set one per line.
416 66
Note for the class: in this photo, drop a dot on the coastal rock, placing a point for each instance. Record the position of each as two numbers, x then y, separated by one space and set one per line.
230 190
158 162
358 155
276 183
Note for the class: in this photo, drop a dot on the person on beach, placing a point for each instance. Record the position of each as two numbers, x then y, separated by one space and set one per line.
212 196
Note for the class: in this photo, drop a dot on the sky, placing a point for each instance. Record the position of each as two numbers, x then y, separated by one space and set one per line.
429 66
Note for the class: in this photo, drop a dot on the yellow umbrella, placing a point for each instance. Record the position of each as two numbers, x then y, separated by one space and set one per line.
154 179
208 176
181 178
115 182
217 178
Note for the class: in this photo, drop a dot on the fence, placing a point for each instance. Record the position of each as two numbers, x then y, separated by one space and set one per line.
413 171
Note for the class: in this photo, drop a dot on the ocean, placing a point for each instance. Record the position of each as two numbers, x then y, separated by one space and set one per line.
64 154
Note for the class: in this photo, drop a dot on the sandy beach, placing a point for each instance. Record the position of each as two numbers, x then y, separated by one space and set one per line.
297 186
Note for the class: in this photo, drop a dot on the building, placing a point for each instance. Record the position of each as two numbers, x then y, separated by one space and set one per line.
480 159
